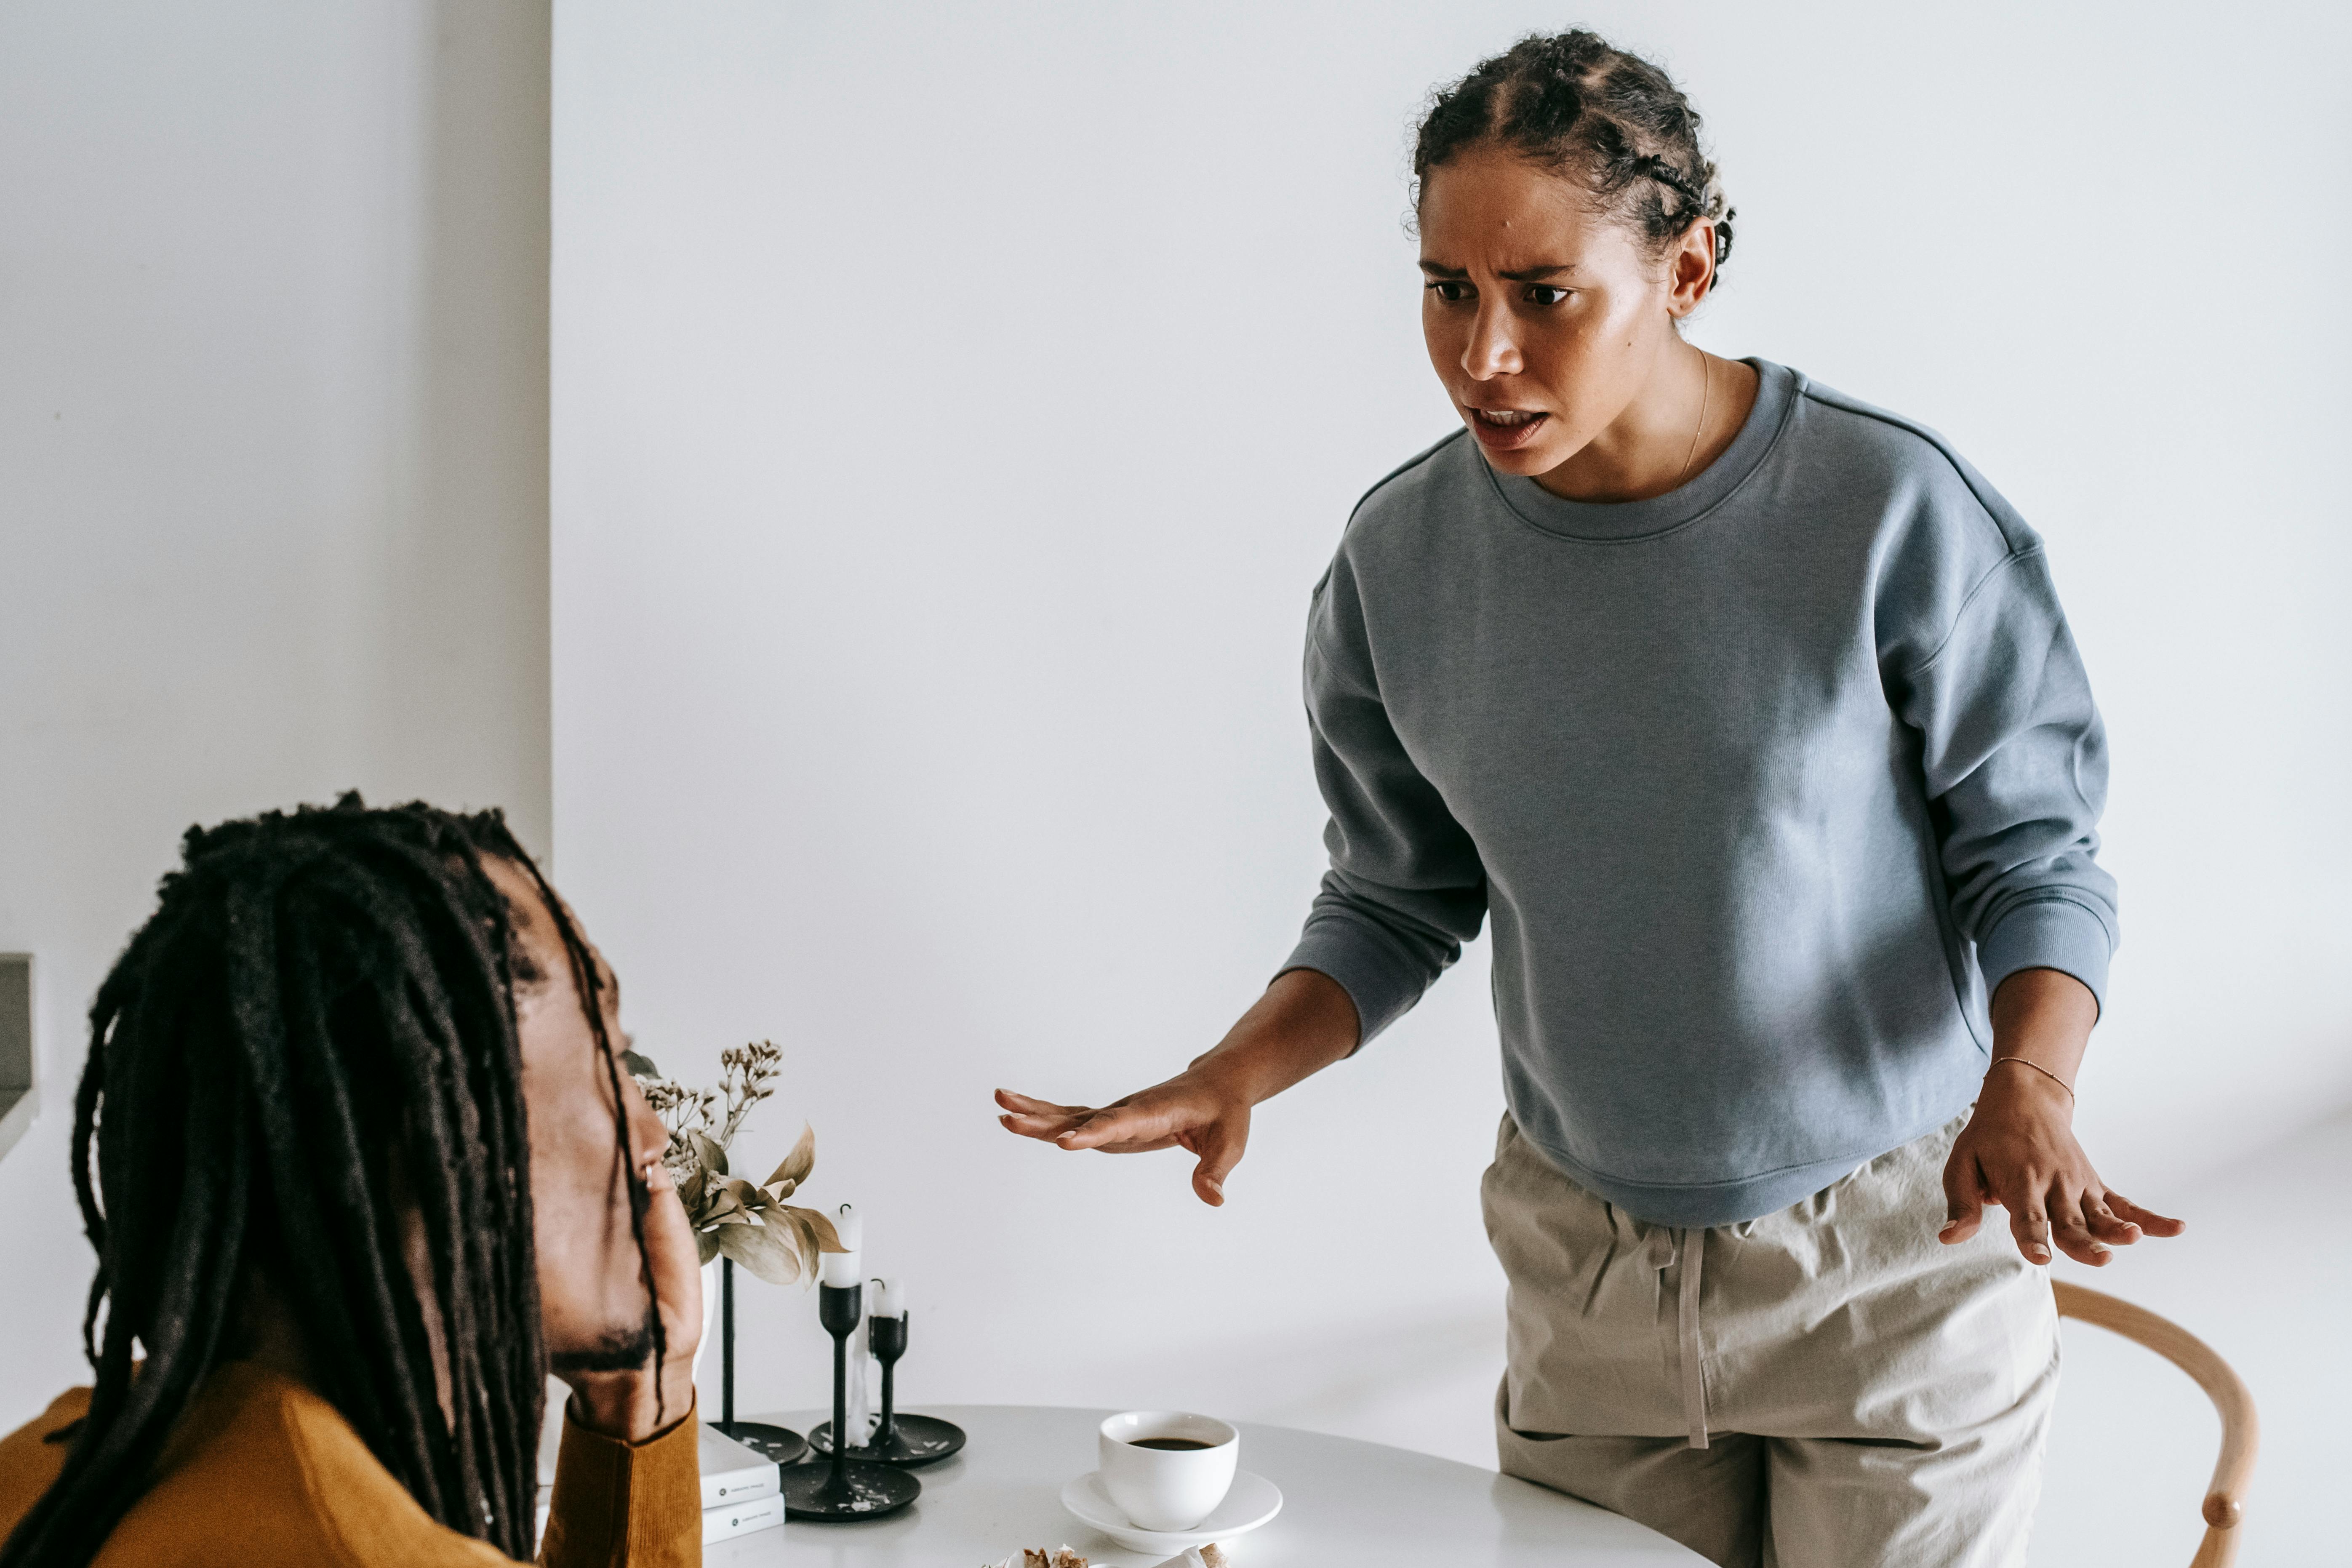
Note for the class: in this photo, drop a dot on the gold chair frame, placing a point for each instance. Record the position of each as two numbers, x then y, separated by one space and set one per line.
2241 1432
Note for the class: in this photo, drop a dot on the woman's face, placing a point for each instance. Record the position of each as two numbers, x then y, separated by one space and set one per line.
1545 320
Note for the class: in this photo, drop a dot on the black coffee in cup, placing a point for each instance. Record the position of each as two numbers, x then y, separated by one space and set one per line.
1165 1470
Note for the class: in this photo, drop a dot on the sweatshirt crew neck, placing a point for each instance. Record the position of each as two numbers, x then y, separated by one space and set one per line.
1623 523
1762 804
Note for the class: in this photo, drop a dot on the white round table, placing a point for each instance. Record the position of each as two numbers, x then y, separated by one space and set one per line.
1360 1505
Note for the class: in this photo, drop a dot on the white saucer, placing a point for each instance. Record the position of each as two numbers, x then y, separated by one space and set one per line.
1253 1501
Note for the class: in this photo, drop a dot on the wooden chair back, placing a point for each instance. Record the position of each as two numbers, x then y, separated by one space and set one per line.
2225 1499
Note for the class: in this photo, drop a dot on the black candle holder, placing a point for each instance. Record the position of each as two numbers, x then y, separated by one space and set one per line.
907 1441
780 1444
843 1488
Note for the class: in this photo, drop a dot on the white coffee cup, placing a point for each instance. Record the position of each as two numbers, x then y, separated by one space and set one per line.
1167 1487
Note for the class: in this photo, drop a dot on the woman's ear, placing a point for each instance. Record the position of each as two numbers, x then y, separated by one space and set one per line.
1690 268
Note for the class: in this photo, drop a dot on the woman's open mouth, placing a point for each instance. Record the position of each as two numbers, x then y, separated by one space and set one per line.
1500 429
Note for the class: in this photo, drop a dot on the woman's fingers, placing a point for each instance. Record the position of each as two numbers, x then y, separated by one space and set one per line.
1964 1197
2021 1156
1039 1118
1139 1122
1048 1127
1130 1126
676 1268
2106 1224
2071 1228
2149 1220
2030 1225
1049 1118
1122 1127
1220 1147
1026 1105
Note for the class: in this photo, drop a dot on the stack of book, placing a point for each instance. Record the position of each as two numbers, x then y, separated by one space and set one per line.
741 1492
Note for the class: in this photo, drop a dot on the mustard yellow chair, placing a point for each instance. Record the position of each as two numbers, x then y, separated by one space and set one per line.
2225 1499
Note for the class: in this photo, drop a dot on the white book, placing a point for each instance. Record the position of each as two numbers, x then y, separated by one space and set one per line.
730 1519
733 1474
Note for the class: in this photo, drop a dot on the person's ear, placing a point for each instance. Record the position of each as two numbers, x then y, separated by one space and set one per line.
1690 268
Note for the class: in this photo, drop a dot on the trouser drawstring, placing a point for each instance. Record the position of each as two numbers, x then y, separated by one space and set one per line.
1687 1248
1690 1245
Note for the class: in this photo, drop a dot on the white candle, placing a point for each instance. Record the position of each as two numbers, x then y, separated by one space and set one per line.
889 1299
842 1269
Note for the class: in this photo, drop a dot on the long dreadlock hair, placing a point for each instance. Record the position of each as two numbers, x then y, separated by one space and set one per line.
305 1058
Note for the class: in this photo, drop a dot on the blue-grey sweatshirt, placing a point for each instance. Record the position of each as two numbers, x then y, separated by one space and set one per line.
1767 782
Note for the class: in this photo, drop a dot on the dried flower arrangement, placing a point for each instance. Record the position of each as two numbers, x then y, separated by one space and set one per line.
748 1221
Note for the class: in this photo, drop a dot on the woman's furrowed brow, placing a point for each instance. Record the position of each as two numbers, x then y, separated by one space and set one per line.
1517 275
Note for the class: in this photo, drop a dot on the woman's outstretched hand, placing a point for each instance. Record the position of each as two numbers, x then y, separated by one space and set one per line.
2019 1150
1189 1111
1304 1022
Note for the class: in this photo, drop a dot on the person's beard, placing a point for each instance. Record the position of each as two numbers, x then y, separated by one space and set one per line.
615 1350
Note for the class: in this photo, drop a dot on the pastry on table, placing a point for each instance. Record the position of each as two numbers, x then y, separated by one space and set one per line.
1209 1556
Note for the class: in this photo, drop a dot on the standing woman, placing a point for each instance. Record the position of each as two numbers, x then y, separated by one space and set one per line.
1750 714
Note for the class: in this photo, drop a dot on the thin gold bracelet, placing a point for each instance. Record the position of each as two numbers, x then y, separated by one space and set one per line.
2037 1066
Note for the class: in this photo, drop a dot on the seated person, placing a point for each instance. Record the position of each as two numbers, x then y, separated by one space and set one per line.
361 1169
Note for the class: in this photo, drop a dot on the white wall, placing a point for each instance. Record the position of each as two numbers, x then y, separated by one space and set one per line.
272 474
953 406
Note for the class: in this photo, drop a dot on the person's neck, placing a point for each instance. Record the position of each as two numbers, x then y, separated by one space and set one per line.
1688 410
266 1331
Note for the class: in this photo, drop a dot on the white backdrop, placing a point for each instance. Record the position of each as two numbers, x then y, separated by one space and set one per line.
954 406
273 507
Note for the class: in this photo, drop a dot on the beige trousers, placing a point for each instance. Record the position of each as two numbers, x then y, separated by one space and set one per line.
1826 1386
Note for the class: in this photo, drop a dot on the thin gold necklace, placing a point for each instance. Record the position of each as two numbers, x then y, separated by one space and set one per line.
1706 387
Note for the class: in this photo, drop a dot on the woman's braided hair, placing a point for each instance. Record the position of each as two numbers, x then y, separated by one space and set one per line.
305 1058
1572 101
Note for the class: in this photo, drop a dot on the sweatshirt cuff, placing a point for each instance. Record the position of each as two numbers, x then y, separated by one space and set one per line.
2048 933
1378 978
618 1502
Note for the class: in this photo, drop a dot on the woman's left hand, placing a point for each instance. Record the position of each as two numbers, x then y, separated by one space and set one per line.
2018 1153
